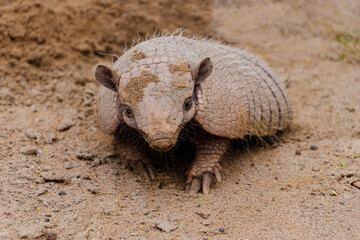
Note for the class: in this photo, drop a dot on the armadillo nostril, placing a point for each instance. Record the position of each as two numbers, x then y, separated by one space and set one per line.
162 138
162 144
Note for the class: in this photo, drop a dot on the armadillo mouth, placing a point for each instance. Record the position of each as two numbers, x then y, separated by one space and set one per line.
163 143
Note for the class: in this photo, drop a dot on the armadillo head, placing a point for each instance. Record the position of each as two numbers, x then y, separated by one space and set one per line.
157 96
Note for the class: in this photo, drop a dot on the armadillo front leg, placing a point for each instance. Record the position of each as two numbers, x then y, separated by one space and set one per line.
208 152
136 159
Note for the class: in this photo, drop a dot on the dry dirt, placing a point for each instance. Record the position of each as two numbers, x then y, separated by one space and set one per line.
76 188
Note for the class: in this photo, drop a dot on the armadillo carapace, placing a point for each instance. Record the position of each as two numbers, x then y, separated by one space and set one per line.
159 85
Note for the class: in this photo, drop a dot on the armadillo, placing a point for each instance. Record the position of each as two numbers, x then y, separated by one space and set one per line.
159 85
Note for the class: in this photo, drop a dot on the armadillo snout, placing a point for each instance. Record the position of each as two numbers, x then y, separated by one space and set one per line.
163 143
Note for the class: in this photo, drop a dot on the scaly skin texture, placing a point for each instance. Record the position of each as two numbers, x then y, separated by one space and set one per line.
159 85
209 150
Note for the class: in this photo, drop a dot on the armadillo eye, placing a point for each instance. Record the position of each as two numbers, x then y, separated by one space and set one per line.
187 104
128 112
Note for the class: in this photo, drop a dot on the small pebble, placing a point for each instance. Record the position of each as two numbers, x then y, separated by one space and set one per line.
297 152
203 215
68 165
165 226
315 169
59 97
34 108
221 229
75 175
39 180
96 162
107 212
57 177
61 193
32 134
84 154
29 150
333 193
206 222
56 209
313 147
41 191
50 138
93 189
86 176
47 219
65 124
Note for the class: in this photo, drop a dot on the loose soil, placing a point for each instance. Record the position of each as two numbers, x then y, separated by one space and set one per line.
60 177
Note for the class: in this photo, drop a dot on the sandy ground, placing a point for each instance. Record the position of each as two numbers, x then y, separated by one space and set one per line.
75 187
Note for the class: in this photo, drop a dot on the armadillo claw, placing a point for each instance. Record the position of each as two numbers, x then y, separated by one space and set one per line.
206 180
151 171
217 174
146 171
194 184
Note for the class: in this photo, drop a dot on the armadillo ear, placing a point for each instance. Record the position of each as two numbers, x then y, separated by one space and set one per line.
202 70
105 77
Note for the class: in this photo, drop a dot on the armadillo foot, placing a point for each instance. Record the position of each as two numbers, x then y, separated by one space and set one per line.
194 184
136 160
145 170
206 163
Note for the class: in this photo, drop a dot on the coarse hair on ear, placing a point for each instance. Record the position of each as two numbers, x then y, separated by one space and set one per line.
106 77
202 70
